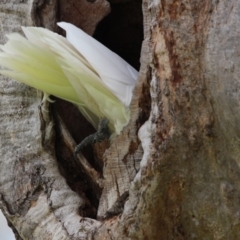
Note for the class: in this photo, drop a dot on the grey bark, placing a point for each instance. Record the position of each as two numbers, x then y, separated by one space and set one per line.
179 178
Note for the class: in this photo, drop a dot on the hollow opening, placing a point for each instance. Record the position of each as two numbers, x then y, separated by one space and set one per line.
122 32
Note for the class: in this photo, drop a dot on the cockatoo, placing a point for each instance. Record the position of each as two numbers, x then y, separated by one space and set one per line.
77 69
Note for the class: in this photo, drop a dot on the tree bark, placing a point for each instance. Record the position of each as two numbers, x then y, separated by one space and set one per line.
173 173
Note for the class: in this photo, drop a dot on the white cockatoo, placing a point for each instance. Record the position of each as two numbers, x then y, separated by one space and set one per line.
77 69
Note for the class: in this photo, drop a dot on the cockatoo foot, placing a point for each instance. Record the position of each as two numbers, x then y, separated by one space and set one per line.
102 133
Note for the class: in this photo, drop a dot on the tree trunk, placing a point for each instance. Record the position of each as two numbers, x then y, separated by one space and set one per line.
173 173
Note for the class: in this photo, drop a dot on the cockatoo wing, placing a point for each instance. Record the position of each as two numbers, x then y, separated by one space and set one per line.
79 70
115 72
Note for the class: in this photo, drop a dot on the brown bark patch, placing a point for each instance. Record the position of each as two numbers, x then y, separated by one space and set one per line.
174 61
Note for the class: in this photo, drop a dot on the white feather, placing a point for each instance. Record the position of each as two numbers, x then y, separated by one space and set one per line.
115 72
77 69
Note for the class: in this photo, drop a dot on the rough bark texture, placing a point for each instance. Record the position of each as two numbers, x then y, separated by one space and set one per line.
34 196
178 180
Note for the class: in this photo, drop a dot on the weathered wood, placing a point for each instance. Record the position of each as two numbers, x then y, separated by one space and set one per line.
181 179
189 184
34 196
